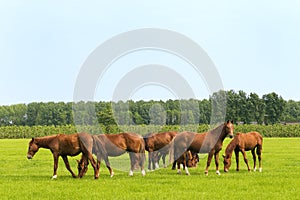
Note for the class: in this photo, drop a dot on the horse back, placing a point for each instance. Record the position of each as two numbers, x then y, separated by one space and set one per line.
249 141
67 144
158 141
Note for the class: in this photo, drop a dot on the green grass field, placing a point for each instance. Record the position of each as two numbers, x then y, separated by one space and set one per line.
31 179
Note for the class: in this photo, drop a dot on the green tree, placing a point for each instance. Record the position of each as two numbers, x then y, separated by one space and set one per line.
274 107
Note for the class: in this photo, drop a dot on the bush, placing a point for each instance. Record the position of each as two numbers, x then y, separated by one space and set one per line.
277 130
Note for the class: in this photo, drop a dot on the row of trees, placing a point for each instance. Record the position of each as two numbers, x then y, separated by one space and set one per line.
239 106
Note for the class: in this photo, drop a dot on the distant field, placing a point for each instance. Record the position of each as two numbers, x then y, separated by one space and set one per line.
31 179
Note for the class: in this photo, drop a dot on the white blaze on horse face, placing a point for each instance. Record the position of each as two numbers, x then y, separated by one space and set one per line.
143 172
130 173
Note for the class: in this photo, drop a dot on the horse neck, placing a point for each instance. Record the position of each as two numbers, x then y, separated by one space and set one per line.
229 149
44 142
221 128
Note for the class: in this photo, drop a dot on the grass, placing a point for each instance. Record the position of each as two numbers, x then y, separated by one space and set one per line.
31 179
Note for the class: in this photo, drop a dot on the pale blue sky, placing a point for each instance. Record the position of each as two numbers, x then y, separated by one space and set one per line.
255 45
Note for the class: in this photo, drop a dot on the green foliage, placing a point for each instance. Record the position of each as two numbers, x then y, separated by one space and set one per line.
277 130
236 106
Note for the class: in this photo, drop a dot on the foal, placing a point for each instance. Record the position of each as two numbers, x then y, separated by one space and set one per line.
244 142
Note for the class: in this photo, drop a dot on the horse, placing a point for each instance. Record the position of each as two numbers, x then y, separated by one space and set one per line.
62 145
191 159
105 145
244 142
209 142
158 145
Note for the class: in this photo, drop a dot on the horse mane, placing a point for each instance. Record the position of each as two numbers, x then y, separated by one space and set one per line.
217 132
44 141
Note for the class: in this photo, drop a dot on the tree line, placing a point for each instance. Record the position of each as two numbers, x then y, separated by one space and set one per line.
240 107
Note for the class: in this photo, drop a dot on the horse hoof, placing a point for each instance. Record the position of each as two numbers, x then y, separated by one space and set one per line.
54 177
131 173
206 173
112 174
260 169
218 173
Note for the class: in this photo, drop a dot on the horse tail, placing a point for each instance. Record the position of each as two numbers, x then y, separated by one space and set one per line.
171 151
259 146
142 153
98 147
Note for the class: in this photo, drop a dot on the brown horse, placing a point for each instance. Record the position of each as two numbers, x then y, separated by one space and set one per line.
158 145
192 160
62 145
105 145
244 142
208 142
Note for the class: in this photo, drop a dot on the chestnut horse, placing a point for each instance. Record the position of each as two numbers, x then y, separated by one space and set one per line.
158 145
105 145
62 145
192 160
209 142
244 142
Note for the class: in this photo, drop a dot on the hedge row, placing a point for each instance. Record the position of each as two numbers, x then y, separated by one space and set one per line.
278 130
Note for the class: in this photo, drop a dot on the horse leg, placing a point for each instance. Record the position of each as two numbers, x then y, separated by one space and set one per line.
132 157
65 158
185 164
178 167
96 165
141 157
245 159
149 161
164 160
254 159
55 158
217 162
210 155
156 159
174 165
258 151
107 163
237 159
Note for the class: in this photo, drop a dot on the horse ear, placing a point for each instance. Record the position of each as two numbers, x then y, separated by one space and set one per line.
227 121
232 121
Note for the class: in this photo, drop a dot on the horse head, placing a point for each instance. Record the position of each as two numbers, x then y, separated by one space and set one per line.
32 149
227 163
229 128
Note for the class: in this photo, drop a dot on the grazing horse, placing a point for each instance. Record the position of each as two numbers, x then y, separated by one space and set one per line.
62 145
208 142
105 145
158 145
192 160
244 142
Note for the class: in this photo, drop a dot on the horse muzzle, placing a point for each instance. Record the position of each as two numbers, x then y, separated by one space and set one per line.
29 156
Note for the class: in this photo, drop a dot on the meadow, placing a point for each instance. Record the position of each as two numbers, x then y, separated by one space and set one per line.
31 179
